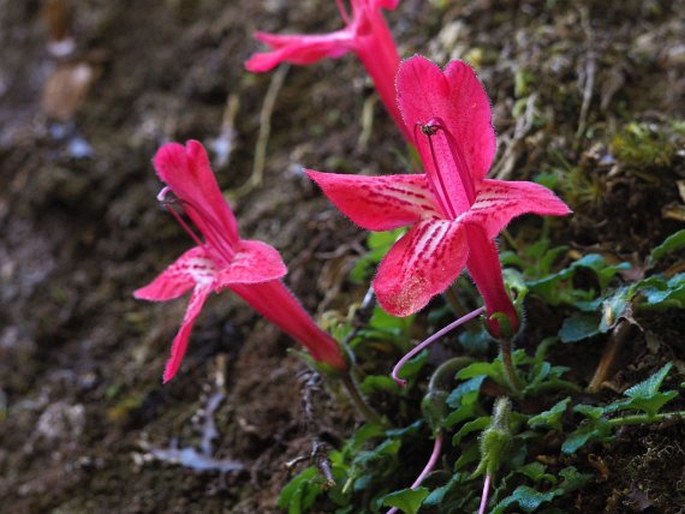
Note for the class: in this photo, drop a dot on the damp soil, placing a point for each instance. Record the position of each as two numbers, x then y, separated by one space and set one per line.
85 422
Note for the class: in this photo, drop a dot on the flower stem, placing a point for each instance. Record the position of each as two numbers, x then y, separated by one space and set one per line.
357 399
430 340
616 340
639 419
433 459
512 377
484 496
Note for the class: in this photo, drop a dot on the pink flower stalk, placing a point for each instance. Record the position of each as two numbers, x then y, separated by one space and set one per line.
250 268
432 461
366 33
453 211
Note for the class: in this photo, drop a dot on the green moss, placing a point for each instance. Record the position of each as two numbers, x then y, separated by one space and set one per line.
644 146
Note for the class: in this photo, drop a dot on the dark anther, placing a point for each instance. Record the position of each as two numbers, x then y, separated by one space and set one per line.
429 129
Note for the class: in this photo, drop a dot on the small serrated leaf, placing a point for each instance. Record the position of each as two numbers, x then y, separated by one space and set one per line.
527 498
672 243
649 387
579 326
407 500
596 429
551 417
646 396
475 425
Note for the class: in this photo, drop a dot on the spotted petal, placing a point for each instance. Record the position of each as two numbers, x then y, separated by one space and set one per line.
180 344
420 265
299 49
190 269
499 201
379 203
253 263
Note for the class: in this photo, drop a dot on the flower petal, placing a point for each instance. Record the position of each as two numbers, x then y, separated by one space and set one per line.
486 271
385 4
275 302
192 268
180 344
253 262
499 201
379 203
186 170
456 100
299 49
420 265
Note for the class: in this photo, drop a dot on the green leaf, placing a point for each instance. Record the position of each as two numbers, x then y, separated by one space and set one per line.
648 388
527 498
671 243
573 479
646 396
660 294
468 456
551 417
375 383
378 243
449 494
407 500
591 430
537 472
579 326
300 493
475 341
462 394
412 367
476 425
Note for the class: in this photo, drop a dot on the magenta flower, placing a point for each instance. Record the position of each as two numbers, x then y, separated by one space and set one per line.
250 268
454 212
366 33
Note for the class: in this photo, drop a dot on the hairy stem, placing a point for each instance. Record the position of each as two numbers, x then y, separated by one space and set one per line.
356 397
513 379
639 419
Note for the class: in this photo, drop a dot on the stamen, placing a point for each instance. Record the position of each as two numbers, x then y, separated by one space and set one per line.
431 128
344 14
215 235
430 340
168 204
462 167
162 196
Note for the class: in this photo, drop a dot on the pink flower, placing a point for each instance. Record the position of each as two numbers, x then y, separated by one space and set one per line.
366 34
454 212
250 268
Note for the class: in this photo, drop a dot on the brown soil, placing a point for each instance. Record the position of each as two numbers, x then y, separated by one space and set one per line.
82 408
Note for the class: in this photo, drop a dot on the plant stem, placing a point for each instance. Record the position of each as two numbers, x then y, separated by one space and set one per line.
614 344
513 380
484 496
430 340
433 459
355 395
639 419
